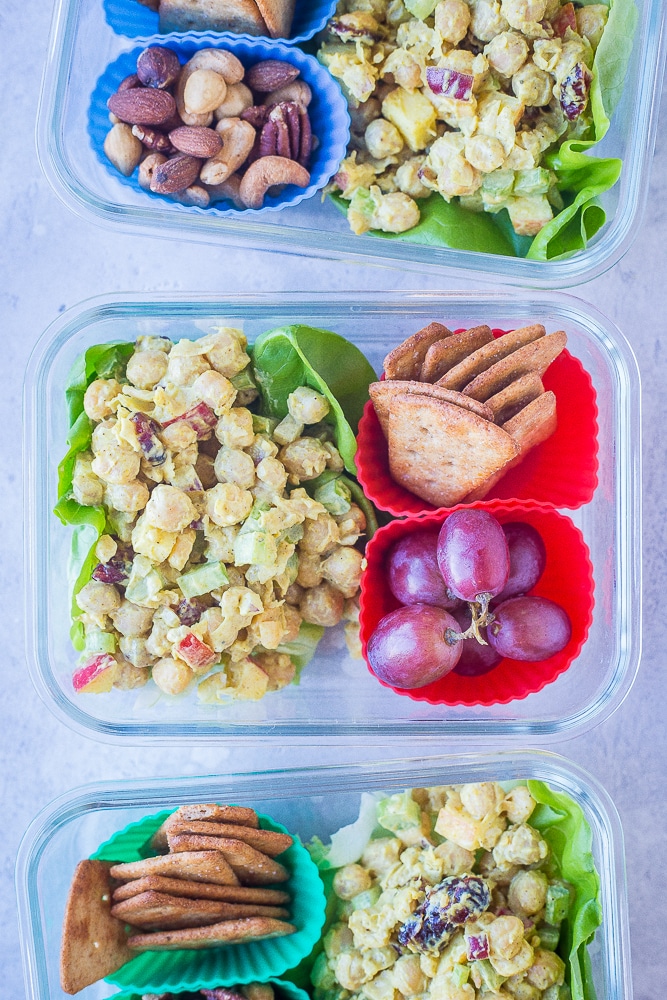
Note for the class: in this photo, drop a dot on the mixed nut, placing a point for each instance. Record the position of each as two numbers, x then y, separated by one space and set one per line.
211 130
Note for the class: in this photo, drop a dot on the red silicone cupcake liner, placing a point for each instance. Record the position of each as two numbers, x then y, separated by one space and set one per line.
561 471
567 579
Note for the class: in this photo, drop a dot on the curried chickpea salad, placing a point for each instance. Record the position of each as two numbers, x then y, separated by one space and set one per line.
229 539
460 97
460 894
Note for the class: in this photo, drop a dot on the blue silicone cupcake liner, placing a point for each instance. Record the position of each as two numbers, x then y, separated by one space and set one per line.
283 989
131 18
228 965
328 113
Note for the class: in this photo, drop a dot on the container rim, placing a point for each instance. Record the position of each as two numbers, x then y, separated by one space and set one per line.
552 768
616 238
624 370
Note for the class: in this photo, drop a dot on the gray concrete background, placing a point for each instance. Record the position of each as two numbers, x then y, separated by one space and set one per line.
52 260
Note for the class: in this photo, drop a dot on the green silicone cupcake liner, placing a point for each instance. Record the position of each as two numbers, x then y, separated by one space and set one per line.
284 990
174 971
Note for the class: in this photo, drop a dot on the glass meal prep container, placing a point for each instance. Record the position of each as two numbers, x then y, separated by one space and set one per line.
337 700
83 44
309 801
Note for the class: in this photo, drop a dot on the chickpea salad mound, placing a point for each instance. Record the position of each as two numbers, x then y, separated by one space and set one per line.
483 106
460 892
218 526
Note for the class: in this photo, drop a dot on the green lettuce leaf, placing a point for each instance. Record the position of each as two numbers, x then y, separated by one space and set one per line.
563 825
291 356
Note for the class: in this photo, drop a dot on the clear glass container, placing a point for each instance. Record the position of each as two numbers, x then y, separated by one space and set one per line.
81 46
309 801
338 700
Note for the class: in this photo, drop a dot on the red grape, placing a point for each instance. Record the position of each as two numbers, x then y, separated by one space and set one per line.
528 558
409 648
473 555
414 577
476 659
529 628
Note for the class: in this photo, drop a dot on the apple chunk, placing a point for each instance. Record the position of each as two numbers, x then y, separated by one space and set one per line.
96 676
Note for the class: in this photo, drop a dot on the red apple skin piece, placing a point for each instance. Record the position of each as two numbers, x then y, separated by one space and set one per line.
96 676
196 653
201 418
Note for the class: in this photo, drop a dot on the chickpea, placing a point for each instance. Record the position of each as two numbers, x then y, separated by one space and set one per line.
337 939
484 153
106 548
532 86
349 969
350 881
227 353
513 966
104 437
279 667
216 390
591 21
234 428
488 19
408 180
522 845
228 503
130 676
481 798
310 570
86 487
505 936
184 369
381 855
383 139
294 594
452 19
307 405
322 605
519 804
527 893
305 458
146 368
130 619
98 396
169 509
456 860
396 213
273 473
521 990
127 497
320 535
335 461
408 976
98 598
262 447
520 13
343 569
172 676
506 53
235 466
178 436
351 525
118 467
548 969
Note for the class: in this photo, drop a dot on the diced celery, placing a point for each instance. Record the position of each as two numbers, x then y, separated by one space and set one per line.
335 496
491 980
549 936
100 642
363 203
264 425
363 900
144 587
255 548
243 380
292 535
472 202
420 8
459 975
497 186
203 579
558 903
321 976
255 519
561 992
529 182
399 812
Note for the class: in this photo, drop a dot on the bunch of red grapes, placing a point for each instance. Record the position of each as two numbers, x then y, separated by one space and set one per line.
465 602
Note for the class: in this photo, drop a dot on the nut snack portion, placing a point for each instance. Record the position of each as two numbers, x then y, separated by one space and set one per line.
459 410
227 538
211 130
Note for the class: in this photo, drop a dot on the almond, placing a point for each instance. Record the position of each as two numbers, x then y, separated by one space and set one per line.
196 141
158 67
270 75
175 175
142 106
129 83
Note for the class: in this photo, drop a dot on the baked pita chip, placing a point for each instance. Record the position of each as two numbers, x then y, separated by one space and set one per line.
238 815
269 842
535 423
251 866
196 866
440 451
157 911
94 943
405 361
507 403
463 373
382 394
257 895
278 16
236 16
535 357
444 354
227 932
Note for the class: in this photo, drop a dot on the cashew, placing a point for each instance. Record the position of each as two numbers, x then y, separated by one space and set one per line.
123 149
267 171
204 91
227 65
196 194
179 97
147 168
239 97
297 91
238 138
227 191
